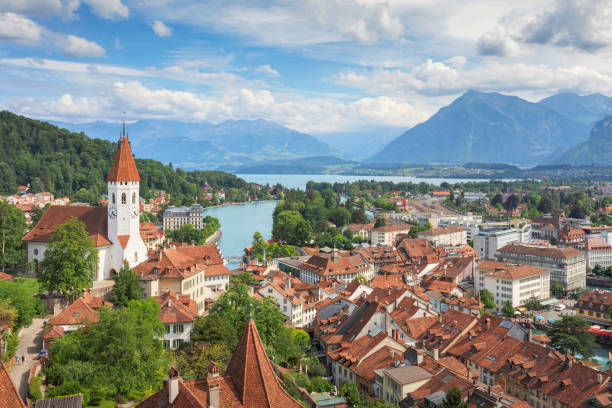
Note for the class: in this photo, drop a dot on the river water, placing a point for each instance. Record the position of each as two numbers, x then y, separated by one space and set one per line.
238 224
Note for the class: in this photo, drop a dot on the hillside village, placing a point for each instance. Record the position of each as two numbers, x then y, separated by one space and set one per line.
426 304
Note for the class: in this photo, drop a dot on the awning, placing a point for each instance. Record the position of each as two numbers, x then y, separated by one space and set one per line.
548 302
551 319
538 317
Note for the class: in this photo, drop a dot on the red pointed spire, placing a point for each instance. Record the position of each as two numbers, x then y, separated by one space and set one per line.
123 167
252 374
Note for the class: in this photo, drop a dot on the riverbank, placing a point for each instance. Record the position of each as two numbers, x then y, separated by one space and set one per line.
213 238
243 203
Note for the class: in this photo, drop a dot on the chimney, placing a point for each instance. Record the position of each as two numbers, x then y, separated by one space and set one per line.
387 320
429 307
419 357
392 354
171 385
436 354
488 323
212 381
469 375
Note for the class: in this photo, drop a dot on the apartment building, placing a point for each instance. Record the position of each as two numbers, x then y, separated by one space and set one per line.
450 235
387 235
566 265
594 307
516 283
489 239
341 267
597 252
175 217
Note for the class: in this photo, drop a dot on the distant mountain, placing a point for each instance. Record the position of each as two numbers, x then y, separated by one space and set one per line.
596 151
486 127
202 145
586 109
360 144
308 165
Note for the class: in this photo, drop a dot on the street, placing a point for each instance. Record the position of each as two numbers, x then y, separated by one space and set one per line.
30 343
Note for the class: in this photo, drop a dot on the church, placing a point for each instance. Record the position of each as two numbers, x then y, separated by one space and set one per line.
115 229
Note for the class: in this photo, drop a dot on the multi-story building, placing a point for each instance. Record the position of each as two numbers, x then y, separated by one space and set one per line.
489 239
516 283
446 236
151 235
175 217
386 235
597 252
363 230
198 271
567 266
594 306
289 302
343 268
177 313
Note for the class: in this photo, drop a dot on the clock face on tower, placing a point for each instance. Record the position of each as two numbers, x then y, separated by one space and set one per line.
135 212
112 213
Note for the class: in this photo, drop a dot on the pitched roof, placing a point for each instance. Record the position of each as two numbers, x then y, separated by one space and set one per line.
94 218
537 251
176 309
408 374
5 276
123 167
10 395
449 229
182 261
53 332
82 310
328 265
251 373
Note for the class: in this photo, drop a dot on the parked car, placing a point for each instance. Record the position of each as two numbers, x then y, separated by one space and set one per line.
42 353
560 307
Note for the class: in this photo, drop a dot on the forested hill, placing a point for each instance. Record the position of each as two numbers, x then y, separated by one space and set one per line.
65 162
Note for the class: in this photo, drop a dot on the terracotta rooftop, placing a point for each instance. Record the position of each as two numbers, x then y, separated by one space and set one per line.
325 264
5 276
123 167
510 271
176 309
179 262
10 395
82 310
393 228
538 251
94 218
450 229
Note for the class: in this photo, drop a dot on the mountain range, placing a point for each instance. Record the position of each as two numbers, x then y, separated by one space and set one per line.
203 145
496 128
597 151
475 127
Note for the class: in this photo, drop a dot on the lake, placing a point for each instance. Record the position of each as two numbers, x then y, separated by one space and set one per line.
300 180
238 224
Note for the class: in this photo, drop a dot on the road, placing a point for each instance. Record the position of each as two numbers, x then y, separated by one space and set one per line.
30 343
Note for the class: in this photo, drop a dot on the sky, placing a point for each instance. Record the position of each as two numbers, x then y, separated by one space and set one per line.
317 66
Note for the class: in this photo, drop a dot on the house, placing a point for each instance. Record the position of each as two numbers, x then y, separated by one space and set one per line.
50 334
23 189
514 283
380 256
344 268
398 382
418 251
250 381
83 310
221 194
198 271
289 301
152 236
362 230
489 239
567 266
115 229
594 307
450 235
178 314
386 235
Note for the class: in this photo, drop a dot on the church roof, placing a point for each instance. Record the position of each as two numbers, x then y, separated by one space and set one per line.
94 218
124 166
252 374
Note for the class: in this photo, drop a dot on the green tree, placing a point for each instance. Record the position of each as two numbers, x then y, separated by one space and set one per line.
486 297
340 216
533 304
36 186
570 334
508 309
361 279
555 288
546 205
578 211
358 216
70 260
380 222
38 212
19 294
12 228
454 399
349 391
126 286
512 202
291 227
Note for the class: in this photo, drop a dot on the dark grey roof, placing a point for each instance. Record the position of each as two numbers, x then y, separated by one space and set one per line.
72 401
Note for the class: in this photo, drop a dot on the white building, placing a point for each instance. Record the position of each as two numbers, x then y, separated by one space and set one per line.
178 314
175 217
115 230
516 283
446 236
387 234
342 268
289 302
489 239
597 252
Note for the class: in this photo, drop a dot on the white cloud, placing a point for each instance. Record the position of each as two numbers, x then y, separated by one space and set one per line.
19 29
41 8
161 29
108 9
77 47
117 44
497 42
267 69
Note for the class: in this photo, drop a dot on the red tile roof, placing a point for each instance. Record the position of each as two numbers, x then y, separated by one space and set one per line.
123 240
5 276
176 309
53 332
325 264
547 252
182 261
82 310
10 395
94 218
124 166
450 229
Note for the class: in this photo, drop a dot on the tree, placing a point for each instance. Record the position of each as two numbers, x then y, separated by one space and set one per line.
19 294
380 222
570 334
340 216
555 288
486 297
497 200
36 185
70 260
508 309
361 279
12 228
358 216
533 304
126 286
512 202
577 211
454 399
350 392
290 226
38 212
546 205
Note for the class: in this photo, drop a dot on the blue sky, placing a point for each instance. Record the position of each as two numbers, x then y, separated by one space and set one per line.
318 66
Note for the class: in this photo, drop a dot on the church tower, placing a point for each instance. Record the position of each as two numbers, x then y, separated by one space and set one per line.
124 208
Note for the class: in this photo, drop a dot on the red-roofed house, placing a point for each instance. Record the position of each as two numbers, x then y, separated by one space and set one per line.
177 313
83 310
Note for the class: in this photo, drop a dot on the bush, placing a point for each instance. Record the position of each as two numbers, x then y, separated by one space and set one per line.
320 384
290 387
95 395
316 368
34 389
67 388
12 342
302 380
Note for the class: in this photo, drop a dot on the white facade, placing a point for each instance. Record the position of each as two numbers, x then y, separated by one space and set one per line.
488 240
292 309
453 236
386 235
517 290
176 333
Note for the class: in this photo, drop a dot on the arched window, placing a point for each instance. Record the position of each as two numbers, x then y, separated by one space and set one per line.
123 198
133 198
113 198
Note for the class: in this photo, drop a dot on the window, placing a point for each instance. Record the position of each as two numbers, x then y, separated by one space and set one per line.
114 198
176 343
167 327
35 251
166 344
123 198
133 198
178 328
